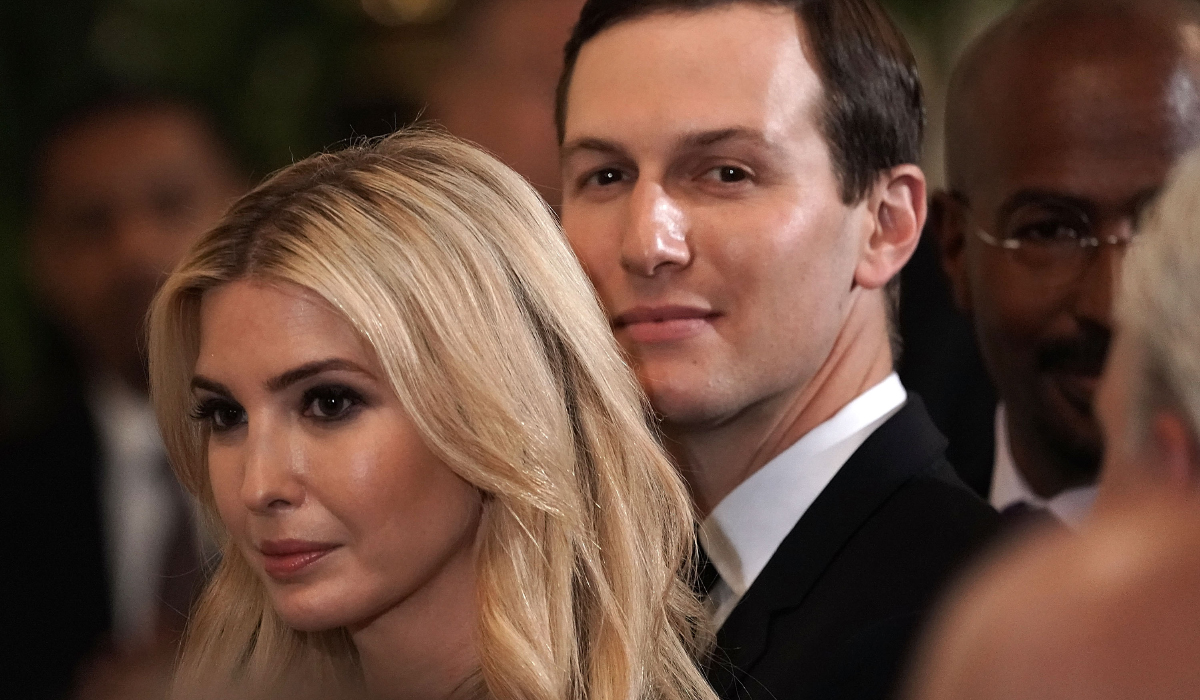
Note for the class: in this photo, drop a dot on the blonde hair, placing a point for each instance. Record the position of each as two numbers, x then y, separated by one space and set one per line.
456 274
1159 303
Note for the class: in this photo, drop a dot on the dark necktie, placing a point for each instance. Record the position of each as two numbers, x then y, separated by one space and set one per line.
706 573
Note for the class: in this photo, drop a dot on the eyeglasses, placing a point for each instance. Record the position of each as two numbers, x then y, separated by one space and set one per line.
1054 242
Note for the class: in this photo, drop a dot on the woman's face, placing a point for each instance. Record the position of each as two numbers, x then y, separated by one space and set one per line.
319 475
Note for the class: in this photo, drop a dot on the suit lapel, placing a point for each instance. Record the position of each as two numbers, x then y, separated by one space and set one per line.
903 446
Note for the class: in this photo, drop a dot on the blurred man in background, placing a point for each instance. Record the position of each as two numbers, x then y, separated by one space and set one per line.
1114 613
1111 614
1062 122
496 87
102 541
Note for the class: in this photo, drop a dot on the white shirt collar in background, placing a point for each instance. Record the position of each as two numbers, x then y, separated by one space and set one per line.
742 533
1008 486
138 505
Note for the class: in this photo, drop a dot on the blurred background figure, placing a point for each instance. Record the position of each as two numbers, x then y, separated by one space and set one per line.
496 84
1111 614
108 551
1149 400
1114 613
1062 123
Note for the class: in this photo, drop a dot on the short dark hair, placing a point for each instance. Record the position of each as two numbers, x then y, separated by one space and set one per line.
106 100
874 113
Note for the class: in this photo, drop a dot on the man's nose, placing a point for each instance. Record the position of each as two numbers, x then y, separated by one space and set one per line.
271 476
656 235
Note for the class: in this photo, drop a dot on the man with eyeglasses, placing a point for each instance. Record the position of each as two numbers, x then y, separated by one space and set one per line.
1062 122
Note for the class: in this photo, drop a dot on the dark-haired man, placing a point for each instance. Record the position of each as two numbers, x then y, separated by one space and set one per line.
1062 123
739 185
100 538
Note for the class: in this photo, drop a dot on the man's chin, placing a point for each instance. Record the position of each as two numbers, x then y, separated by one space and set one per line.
1069 427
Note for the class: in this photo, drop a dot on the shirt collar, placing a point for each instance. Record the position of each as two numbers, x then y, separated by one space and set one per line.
1009 487
748 525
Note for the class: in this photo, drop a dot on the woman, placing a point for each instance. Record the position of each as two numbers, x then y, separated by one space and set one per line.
387 378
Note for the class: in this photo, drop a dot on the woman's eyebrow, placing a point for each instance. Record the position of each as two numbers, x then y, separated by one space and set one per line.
201 382
310 369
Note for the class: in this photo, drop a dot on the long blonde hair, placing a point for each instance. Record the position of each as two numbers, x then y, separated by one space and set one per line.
456 274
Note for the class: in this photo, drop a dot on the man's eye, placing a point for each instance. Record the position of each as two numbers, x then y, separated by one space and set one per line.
607 176
330 403
1050 232
729 173
220 414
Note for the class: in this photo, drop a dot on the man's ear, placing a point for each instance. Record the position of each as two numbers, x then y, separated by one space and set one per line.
1176 450
898 207
948 225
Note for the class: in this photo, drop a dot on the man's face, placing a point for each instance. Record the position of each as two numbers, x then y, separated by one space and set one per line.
699 194
500 92
121 198
1060 144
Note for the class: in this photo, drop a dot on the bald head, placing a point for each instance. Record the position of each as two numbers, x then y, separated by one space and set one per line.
1063 121
1112 614
1106 71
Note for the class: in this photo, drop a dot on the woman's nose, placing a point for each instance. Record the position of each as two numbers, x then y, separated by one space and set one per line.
271 479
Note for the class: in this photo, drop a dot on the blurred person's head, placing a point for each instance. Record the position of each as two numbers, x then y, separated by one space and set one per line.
496 86
1149 399
1063 121
1109 614
739 184
121 186
386 377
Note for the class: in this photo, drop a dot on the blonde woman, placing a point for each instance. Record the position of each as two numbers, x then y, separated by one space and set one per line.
387 378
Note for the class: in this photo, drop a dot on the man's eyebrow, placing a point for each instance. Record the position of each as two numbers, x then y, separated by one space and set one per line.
710 138
699 139
1039 197
594 145
286 379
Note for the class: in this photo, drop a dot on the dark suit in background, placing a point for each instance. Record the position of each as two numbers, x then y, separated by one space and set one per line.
58 607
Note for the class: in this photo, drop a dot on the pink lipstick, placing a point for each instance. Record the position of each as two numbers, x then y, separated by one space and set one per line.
286 558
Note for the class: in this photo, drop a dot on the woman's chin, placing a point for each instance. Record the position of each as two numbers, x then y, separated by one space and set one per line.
303 614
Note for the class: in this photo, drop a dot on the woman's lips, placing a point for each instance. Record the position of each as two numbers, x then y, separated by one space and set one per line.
662 324
286 558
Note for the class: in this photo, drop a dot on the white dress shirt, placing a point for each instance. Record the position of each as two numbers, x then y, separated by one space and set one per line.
747 526
138 505
1009 487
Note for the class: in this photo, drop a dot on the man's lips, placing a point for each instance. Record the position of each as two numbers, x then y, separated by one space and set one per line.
285 558
1079 389
658 324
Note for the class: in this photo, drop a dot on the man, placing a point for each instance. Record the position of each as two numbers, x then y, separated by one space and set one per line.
1114 612
1062 122
100 534
1109 614
496 86
739 185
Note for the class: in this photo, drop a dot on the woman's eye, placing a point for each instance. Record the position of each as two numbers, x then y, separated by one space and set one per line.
331 403
220 414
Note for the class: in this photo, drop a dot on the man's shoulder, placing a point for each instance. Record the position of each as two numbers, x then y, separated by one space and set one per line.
849 585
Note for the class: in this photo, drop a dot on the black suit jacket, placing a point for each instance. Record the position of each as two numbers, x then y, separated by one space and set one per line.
57 607
834 611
